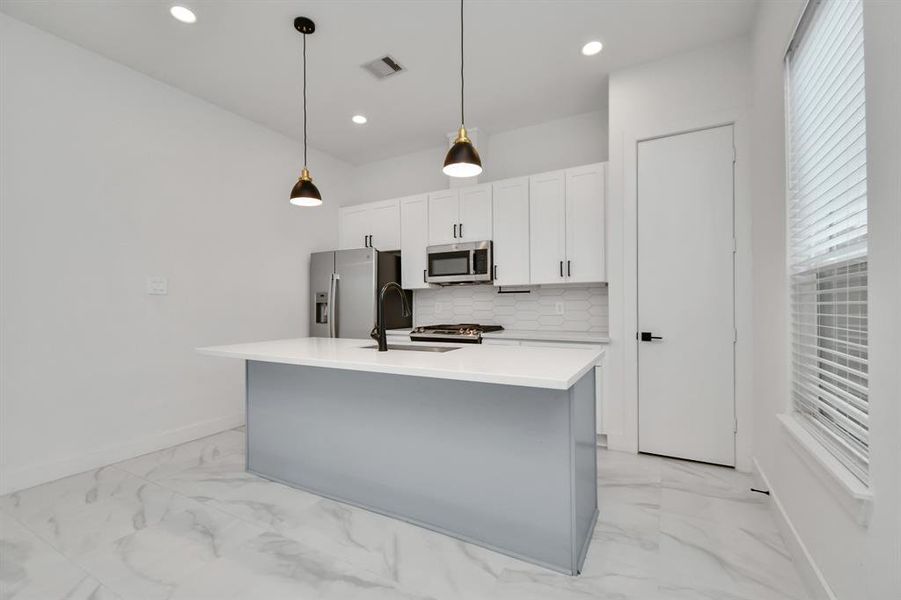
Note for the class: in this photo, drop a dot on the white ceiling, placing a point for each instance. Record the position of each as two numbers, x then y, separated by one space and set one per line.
523 60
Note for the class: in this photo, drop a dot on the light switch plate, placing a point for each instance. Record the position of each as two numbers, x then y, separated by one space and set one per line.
157 286
558 308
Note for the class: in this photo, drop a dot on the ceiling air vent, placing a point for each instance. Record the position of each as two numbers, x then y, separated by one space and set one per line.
383 67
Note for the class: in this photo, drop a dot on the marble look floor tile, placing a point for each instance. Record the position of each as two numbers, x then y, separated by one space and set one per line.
702 478
198 453
363 537
205 528
152 563
71 493
274 567
92 509
549 585
32 569
210 481
744 510
697 553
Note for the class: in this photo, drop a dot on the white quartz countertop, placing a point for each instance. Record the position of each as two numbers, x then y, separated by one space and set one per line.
533 335
553 368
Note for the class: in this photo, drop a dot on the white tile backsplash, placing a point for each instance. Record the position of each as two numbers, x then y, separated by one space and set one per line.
584 308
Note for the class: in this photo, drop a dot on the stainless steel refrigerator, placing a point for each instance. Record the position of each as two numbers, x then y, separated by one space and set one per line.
344 287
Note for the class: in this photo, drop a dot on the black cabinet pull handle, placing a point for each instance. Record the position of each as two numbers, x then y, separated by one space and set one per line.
461 230
455 231
495 271
647 337
561 268
569 270
423 276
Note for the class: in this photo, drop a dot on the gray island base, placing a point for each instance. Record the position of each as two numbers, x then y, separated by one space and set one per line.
507 467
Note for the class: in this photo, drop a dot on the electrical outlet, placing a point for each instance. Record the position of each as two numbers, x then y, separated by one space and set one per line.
558 308
439 307
156 286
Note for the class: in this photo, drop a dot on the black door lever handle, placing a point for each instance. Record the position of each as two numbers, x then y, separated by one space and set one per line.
647 337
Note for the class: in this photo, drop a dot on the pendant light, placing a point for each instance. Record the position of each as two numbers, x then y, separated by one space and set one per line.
305 192
462 159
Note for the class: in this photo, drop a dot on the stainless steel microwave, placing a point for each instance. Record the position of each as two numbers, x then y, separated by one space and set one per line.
466 262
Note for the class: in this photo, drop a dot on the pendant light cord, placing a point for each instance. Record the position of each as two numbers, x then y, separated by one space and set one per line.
305 100
462 82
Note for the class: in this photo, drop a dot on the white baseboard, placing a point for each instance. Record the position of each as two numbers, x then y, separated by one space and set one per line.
20 478
811 575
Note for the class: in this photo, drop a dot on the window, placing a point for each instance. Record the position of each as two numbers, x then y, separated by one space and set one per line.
827 198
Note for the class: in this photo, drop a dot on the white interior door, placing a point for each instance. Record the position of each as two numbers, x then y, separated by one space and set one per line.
686 394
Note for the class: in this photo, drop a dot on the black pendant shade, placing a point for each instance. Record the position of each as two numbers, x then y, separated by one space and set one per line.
462 159
305 192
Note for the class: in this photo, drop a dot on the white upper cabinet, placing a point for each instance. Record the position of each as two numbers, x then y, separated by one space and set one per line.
460 215
354 227
585 226
475 213
384 225
567 229
547 229
444 213
414 238
510 212
373 225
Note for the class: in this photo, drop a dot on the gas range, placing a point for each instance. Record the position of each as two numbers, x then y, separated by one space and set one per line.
464 333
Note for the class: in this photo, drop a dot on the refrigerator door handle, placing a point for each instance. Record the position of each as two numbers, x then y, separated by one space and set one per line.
333 306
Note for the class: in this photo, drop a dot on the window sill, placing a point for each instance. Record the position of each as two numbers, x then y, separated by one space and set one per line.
854 496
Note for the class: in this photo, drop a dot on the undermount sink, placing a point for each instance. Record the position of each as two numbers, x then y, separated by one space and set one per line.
416 348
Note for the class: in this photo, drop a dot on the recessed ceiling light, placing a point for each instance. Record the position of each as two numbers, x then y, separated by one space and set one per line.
185 15
592 48
358 119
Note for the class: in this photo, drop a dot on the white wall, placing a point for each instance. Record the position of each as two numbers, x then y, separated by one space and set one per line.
840 557
109 176
557 144
705 87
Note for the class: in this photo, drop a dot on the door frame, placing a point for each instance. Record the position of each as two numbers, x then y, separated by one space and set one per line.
621 410
638 291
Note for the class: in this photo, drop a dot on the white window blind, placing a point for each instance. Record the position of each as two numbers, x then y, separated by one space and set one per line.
826 132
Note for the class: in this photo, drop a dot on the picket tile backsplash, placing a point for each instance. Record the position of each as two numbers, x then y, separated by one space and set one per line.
583 308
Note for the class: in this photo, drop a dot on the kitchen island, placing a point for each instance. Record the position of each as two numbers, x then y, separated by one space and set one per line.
493 445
